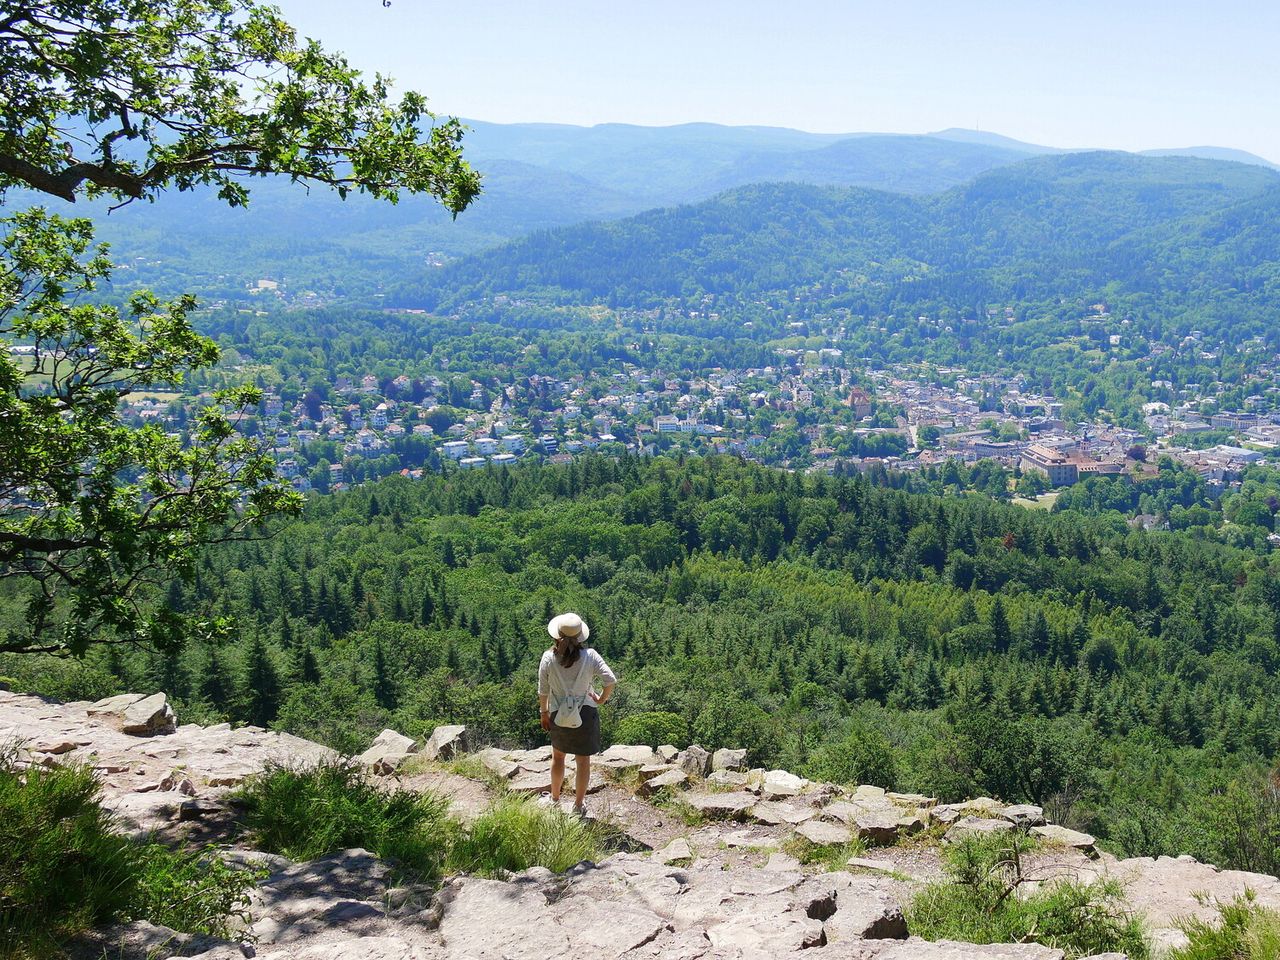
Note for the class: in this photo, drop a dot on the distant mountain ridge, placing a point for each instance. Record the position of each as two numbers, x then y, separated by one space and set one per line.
1049 226
537 177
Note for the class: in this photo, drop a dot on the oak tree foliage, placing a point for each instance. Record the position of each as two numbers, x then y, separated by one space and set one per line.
124 99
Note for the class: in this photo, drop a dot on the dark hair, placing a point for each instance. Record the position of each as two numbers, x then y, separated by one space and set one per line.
568 649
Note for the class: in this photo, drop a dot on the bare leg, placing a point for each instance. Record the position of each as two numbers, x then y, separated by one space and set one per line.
582 774
557 773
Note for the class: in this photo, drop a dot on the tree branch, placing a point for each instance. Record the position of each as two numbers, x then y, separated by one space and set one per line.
64 184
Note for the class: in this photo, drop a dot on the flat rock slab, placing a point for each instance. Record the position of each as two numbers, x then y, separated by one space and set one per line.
1023 814
823 833
780 783
622 756
1165 889
853 908
677 850
731 805
354 948
672 779
749 840
772 813
1064 837
975 826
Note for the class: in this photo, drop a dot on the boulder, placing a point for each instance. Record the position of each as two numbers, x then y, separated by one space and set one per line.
823 833
498 765
1023 814
780 783
726 759
912 822
387 752
672 779
392 742
694 761
1064 837
446 742
868 794
975 826
727 778
732 805
148 717
668 753
199 809
877 826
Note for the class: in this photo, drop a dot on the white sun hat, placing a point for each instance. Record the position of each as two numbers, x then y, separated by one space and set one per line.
569 626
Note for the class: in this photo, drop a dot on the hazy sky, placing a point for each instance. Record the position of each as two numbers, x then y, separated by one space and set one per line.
1127 74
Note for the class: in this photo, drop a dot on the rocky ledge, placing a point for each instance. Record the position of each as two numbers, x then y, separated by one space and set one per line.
720 888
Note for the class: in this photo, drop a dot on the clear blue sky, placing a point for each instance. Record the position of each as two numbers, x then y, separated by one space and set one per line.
1126 74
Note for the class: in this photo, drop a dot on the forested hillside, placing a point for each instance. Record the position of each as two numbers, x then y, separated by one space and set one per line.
951 645
1172 236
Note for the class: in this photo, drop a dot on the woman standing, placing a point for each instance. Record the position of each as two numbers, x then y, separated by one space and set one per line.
566 682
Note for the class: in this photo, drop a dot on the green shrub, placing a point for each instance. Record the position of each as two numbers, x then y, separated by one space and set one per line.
863 756
63 869
308 812
979 902
652 729
192 891
1240 827
516 833
1244 931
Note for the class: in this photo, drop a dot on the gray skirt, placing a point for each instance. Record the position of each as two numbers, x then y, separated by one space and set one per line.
582 741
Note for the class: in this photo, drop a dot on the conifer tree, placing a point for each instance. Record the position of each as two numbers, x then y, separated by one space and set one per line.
260 692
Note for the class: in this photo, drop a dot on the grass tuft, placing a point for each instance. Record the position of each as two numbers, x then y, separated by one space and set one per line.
308 812
65 870
1243 931
833 856
982 901
516 833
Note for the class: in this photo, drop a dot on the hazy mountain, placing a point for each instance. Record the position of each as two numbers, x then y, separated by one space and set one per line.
1215 153
986 139
537 177
1050 225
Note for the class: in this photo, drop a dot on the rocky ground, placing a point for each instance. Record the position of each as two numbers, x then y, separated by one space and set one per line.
715 884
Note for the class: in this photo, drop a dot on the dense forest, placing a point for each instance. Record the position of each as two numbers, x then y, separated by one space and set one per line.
1188 242
844 629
